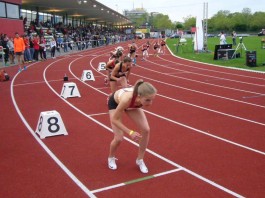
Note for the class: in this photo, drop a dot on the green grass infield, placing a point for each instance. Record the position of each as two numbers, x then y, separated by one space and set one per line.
251 43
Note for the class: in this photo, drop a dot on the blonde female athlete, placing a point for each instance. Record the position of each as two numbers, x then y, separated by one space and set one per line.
129 101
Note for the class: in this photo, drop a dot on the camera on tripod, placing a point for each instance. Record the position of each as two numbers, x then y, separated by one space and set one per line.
240 39
239 46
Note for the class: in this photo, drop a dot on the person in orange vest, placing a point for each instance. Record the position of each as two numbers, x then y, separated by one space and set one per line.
19 48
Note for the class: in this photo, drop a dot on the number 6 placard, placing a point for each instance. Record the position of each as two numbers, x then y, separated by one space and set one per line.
50 124
87 75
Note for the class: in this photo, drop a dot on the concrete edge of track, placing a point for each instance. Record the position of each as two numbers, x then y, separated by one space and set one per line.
241 69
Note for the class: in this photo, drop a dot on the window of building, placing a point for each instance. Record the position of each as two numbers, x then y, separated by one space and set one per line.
8 10
12 11
2 9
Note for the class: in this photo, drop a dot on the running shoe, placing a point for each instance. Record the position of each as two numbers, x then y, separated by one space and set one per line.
111 163
142 166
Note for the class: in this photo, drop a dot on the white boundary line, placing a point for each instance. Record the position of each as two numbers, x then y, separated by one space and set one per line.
197 81
233 68
208 76
192 90
186 126
155 154
132 181
61 165
49 152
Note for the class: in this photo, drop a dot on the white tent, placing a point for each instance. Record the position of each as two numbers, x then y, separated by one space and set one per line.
198 38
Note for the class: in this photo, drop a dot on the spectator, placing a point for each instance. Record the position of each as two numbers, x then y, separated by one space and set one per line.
31 48
65 43
10 44
222 38
36 46
19 47
234 37
53 46
27 56
59 43
43 48
6 49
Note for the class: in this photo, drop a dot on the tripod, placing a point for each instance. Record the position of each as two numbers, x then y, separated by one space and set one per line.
240 45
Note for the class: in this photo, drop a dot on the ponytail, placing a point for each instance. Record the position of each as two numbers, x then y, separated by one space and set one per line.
142 88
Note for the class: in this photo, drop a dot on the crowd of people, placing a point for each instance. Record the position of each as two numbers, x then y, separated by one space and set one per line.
39 40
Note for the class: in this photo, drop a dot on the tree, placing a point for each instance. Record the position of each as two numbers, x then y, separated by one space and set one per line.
221 21
141 20
258 21
162 22
179 26
189 22
238 22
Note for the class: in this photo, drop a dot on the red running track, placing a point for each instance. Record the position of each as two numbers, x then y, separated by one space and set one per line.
207 132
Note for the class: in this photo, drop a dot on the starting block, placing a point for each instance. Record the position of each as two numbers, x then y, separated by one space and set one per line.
101 66
70 90
50 124
87 75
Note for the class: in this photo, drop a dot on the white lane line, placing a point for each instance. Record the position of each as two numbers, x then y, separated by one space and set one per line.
206 180
213 77
181 124
49 152
132 142
208 134
136 180
213 65
200 82
200 92
40 82
99 114
257 96
109 129
211 110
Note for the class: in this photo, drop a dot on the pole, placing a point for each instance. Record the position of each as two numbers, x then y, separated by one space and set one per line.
205 26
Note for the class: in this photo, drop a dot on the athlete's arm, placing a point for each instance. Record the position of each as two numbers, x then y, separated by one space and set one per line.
115 72
124 103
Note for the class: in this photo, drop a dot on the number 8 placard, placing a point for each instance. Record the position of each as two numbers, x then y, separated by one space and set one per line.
50 124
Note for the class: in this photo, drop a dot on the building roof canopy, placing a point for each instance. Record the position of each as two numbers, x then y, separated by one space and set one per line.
90 11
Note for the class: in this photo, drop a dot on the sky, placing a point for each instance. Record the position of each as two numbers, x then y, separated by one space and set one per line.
177 10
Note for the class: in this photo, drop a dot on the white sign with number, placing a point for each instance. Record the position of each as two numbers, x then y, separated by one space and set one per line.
70 90
101 66
87 75
50 124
